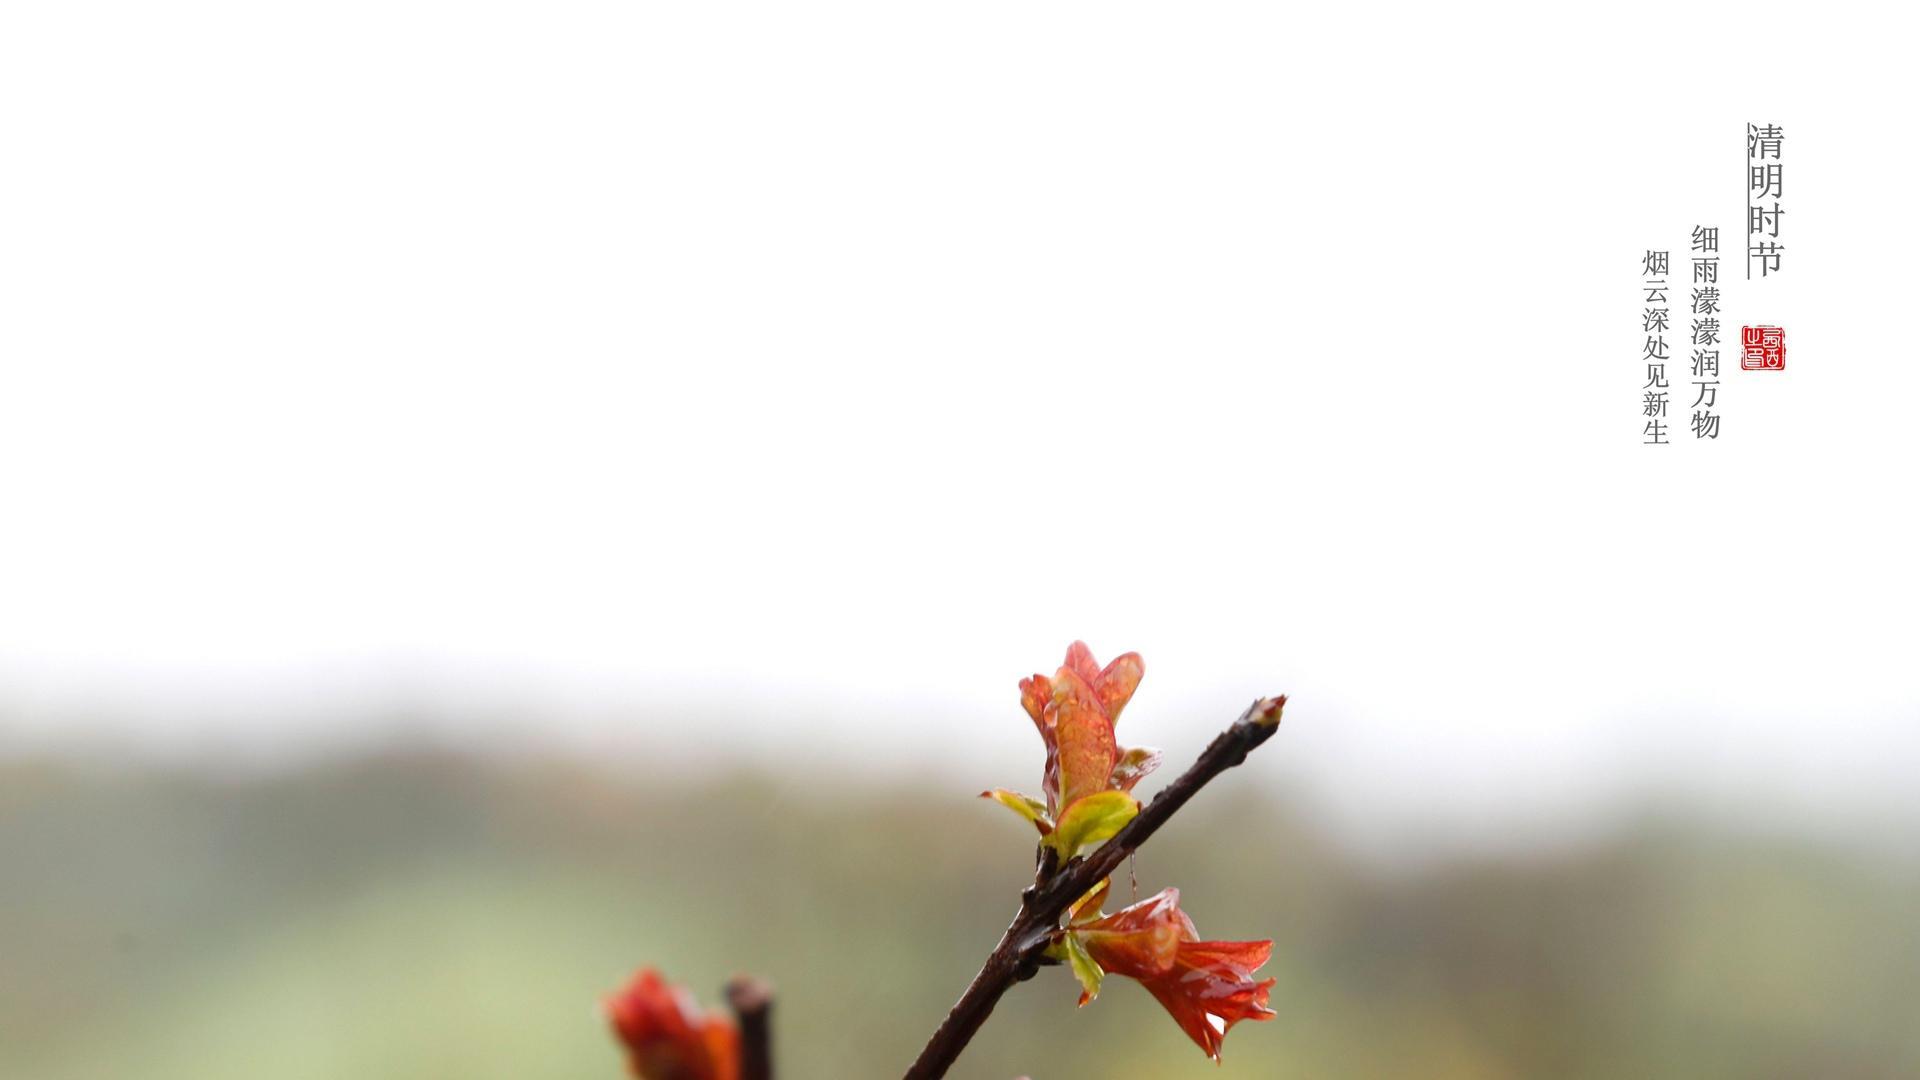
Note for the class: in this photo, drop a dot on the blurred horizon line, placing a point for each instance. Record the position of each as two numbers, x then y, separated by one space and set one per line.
646 742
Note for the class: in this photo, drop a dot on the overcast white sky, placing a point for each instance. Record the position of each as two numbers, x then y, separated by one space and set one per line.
609 368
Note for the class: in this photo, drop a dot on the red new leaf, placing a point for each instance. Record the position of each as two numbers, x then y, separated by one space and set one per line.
1207 986
666 1034
1074 712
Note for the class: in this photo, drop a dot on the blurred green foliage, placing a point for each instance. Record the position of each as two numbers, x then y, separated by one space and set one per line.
432 916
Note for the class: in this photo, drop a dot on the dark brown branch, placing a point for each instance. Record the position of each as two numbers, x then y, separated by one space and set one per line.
752 1002
1017 956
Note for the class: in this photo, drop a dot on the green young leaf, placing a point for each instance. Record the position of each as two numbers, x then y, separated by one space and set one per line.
1089 820
1084 967
1025 805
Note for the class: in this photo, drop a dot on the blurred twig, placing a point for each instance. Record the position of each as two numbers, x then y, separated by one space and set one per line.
1055 887
752 1002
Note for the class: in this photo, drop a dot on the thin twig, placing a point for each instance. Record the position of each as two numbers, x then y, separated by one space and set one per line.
1054 888
752 1001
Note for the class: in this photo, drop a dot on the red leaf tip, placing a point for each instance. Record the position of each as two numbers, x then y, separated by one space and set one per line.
1266 711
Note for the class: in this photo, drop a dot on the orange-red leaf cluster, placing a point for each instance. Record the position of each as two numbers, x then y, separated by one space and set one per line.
667 1036
1207 986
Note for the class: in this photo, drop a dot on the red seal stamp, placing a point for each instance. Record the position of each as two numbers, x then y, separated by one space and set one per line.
1763 348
